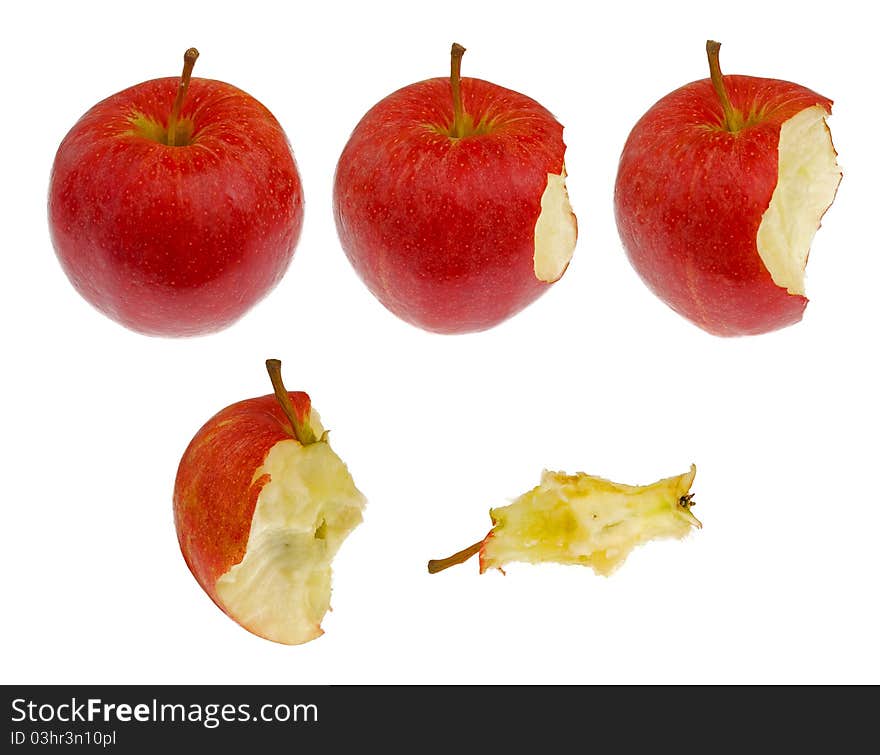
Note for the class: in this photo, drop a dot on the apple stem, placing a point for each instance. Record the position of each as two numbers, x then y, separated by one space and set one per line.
457 131
732 117
439 564
189 61
302 431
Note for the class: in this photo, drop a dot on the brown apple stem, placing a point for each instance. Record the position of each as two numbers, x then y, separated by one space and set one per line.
439 564
455 81
189 61
301 430
732 117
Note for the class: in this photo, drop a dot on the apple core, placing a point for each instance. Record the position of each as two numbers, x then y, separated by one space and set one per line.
584 520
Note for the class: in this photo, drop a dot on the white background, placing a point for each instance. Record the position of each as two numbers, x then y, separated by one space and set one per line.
598 376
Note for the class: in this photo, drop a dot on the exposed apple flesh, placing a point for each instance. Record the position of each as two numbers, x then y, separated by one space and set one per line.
261 505
555 231
585 520
807 183
281 588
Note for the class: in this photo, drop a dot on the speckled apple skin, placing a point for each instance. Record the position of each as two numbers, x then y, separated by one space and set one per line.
175 241
690 196
442 230
216 491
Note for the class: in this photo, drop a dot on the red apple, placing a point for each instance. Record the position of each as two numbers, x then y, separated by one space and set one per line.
451 205
261 505
175 214
721 187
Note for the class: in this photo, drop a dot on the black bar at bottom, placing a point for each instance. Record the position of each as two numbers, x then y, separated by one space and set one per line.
431 718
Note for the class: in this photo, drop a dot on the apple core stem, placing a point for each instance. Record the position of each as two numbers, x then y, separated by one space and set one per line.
455 81
732 117
189 61
439 564
302 431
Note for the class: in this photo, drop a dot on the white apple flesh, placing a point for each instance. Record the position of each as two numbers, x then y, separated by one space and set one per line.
303 514
555 231
806 187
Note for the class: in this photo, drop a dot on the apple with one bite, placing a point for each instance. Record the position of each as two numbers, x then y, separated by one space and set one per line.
721 187
175 205
261 506
450 202
584 520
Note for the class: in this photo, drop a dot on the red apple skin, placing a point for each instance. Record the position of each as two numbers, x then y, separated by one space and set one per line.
442 230
175 241
690 196
484 566
215 493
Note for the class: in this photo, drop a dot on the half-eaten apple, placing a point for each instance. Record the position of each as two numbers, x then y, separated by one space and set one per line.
261 505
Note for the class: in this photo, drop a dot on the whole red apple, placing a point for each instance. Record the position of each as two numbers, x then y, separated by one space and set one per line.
721 187
174 214
451 205
261 505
